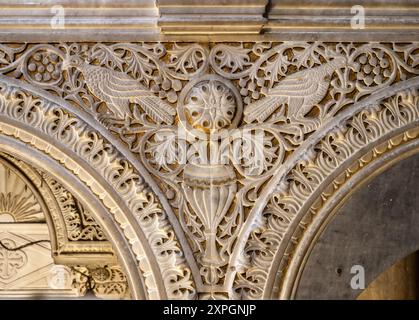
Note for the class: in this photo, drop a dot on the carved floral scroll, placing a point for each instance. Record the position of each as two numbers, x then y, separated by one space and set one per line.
214 148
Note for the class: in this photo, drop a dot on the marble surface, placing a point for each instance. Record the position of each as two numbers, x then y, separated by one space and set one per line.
215 20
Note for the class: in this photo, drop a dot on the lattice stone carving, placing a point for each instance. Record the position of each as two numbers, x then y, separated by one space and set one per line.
216 125
291 194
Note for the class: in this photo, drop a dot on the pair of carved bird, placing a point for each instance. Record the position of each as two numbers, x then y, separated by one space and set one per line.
299 91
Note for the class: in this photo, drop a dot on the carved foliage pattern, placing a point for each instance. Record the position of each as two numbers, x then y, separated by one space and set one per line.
72 132
213 124
79 222
105 281
11 261
365 128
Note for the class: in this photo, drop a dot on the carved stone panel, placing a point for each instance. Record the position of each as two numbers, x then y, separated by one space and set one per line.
28 261
29 272
208 161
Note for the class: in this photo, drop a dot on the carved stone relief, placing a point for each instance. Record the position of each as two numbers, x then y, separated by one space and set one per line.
214 154
27 266
78 220
71 223
18 201
107 282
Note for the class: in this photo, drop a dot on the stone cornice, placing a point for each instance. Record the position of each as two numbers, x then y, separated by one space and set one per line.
217 17
216 20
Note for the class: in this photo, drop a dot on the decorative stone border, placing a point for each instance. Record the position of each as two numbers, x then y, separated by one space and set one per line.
52 121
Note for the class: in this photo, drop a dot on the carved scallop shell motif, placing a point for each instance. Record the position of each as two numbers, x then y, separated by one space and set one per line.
18 202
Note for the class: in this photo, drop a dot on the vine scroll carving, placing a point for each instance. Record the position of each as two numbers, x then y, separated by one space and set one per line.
215 151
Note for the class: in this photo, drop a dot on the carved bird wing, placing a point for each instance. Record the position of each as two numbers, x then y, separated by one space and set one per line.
301 84
292 89
156 109
263 108
122 89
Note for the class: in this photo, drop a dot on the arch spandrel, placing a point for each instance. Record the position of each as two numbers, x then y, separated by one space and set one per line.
314 182
210 223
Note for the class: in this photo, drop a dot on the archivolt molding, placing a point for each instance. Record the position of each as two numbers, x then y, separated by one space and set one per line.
312 181
80 226
334 195
108 282
49 119
234 140
74 232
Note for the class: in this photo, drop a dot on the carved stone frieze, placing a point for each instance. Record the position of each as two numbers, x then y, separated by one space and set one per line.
206 156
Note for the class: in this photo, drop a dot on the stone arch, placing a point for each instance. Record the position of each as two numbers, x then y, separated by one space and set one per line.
379 212
67 220
325 213
31 212
54 136
282 217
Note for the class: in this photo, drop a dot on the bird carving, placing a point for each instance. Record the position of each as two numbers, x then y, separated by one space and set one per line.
299 91
118 90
